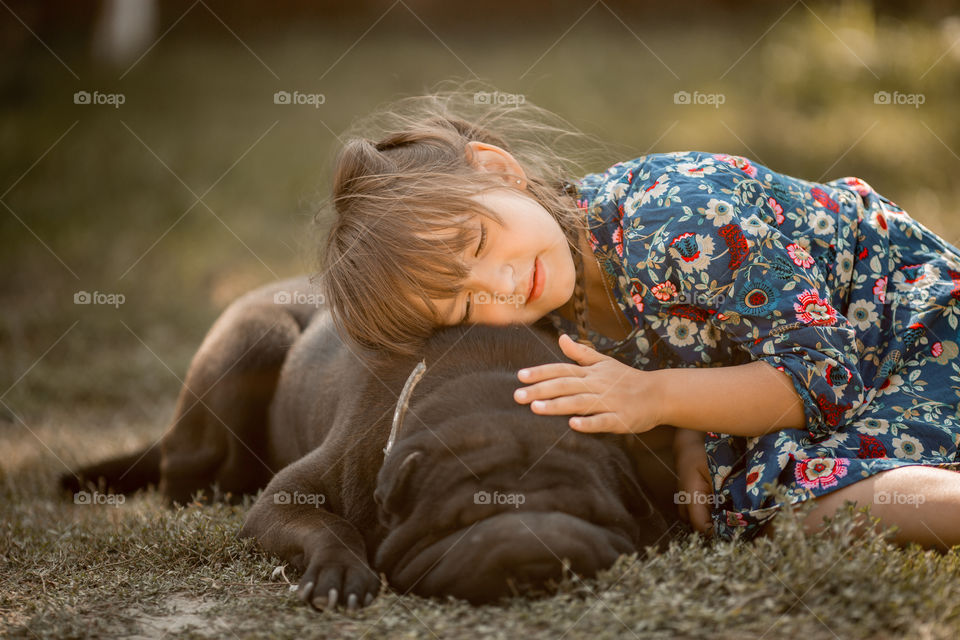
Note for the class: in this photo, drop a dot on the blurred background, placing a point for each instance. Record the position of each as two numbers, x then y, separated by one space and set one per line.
147 164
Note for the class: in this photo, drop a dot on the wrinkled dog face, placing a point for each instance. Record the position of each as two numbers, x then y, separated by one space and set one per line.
487 503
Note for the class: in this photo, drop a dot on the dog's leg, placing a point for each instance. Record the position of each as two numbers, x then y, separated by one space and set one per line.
299 517
218 433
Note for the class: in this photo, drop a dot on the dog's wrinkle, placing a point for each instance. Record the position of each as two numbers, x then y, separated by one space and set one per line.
430 523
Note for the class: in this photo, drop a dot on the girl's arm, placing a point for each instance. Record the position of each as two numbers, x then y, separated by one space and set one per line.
750 399
601 393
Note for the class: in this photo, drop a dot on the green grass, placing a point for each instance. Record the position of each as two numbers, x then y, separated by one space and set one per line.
81 570
99 212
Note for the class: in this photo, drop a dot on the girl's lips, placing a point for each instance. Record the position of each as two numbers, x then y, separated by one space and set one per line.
536 281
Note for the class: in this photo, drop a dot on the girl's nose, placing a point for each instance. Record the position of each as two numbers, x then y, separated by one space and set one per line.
493 279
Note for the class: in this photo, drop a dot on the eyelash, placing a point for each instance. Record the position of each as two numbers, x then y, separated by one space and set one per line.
483 241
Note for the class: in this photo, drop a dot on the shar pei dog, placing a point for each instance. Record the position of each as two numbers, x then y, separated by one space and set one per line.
422 469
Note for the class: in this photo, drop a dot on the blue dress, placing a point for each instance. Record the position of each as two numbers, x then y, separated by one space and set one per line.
719 261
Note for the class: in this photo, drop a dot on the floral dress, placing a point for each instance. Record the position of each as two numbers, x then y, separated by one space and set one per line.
719 261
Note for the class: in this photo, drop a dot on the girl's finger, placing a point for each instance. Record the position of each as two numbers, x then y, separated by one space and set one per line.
567 405
551 389
700 517
547 371
599 423
580 352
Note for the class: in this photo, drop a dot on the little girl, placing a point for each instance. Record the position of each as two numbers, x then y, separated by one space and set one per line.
795 332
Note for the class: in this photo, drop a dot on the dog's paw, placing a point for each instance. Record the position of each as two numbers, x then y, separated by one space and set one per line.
331 582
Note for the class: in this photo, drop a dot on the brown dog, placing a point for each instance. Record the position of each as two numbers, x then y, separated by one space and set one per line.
477 496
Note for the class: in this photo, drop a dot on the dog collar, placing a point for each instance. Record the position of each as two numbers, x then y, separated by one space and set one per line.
402 403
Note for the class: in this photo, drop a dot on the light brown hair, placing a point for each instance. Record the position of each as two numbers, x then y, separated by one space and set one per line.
402 179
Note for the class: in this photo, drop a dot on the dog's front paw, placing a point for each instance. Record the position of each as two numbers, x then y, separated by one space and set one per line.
338 579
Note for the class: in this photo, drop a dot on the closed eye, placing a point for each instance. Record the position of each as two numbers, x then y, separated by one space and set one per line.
480 246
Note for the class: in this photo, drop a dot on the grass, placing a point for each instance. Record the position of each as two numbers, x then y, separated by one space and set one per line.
108 208
103 570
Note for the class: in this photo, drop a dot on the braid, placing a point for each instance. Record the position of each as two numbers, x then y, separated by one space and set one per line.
579 294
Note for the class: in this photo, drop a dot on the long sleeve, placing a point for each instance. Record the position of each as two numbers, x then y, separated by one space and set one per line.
703 239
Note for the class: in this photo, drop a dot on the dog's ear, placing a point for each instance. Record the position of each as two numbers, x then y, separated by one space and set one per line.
391 491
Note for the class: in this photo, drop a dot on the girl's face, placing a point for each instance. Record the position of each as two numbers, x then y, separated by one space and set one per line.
519 271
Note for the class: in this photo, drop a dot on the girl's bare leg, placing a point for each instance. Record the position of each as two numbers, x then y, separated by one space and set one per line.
924 502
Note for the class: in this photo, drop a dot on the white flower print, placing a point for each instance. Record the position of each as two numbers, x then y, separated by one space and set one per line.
655 190
689 264
720 212
862 314
720 475
893 384
907 447
844 265
694 169
755 226
821 223
916 277
753 477
787 449
710 335
873 426
632 203
680 331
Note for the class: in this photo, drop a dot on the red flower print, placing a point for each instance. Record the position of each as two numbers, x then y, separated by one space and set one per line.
664 291
637 296
859 186
800 256
955 277
936 349
686 244
820 473
870 447
880 290
837 375
736 244
823 198
812 309
882 221
777 209
739 162
689 311
831 411
735 519
618 241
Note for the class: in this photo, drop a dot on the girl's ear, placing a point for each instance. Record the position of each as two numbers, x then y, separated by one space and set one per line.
489 157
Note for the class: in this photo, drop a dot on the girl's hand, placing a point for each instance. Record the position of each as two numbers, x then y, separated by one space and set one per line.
601 392
694 486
